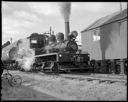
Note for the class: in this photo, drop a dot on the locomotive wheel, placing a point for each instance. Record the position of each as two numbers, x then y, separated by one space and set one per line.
47 67
43 66
34 67
55 67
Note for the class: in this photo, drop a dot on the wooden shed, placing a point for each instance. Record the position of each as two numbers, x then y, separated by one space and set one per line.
107 37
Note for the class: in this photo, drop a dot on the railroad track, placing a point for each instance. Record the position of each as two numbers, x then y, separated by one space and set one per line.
89 77
100 78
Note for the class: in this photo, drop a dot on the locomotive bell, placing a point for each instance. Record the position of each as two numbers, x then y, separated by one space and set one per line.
60 37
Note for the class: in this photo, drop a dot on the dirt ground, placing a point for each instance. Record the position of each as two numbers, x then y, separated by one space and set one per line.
64 89
22 93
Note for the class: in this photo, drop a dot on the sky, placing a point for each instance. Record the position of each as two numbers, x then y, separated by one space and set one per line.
21 19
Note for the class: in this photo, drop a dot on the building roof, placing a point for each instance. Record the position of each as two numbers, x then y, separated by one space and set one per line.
6 44
108 19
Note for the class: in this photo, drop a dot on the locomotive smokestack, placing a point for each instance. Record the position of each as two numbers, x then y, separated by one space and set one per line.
67 30
65 10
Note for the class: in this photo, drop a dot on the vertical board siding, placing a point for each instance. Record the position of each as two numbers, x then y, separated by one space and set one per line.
112 45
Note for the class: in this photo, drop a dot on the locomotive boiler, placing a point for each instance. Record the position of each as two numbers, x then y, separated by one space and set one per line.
58 44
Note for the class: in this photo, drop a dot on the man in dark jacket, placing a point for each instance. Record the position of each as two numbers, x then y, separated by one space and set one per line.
73 35
1 72
2 68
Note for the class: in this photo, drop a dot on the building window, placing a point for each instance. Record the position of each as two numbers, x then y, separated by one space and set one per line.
96 35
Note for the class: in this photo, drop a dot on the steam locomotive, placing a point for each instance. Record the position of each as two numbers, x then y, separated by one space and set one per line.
52 53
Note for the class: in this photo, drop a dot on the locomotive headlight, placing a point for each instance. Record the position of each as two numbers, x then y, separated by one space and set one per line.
7 54
60 55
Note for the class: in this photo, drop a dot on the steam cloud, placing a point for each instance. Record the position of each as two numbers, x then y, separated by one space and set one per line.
65 10
25 56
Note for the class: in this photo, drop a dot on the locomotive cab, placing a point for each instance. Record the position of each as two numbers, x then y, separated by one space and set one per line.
37 40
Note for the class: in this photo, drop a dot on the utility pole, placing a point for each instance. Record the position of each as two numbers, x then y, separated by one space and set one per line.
11 40
50 30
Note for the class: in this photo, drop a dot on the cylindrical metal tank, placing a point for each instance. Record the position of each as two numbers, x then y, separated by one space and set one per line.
9 52
52 38
60 37
66 46
74 33
13 53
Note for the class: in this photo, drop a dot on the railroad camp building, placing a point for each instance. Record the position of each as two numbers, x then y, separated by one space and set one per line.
107 37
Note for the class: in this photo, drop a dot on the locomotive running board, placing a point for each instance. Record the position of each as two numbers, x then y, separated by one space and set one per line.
50 54
46 54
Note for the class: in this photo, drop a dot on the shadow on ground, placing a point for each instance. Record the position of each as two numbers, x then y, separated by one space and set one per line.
22 93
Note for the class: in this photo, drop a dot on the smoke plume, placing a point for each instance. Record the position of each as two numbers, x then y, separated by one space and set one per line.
25 55
65 10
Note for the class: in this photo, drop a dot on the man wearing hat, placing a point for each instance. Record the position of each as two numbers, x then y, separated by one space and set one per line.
73 35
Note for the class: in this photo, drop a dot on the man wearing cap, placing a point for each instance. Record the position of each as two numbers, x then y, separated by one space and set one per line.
73 35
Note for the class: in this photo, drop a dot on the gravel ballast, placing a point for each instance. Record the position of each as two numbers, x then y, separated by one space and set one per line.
74 89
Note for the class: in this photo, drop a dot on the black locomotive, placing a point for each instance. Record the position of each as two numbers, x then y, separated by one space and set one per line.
59 54
52 53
